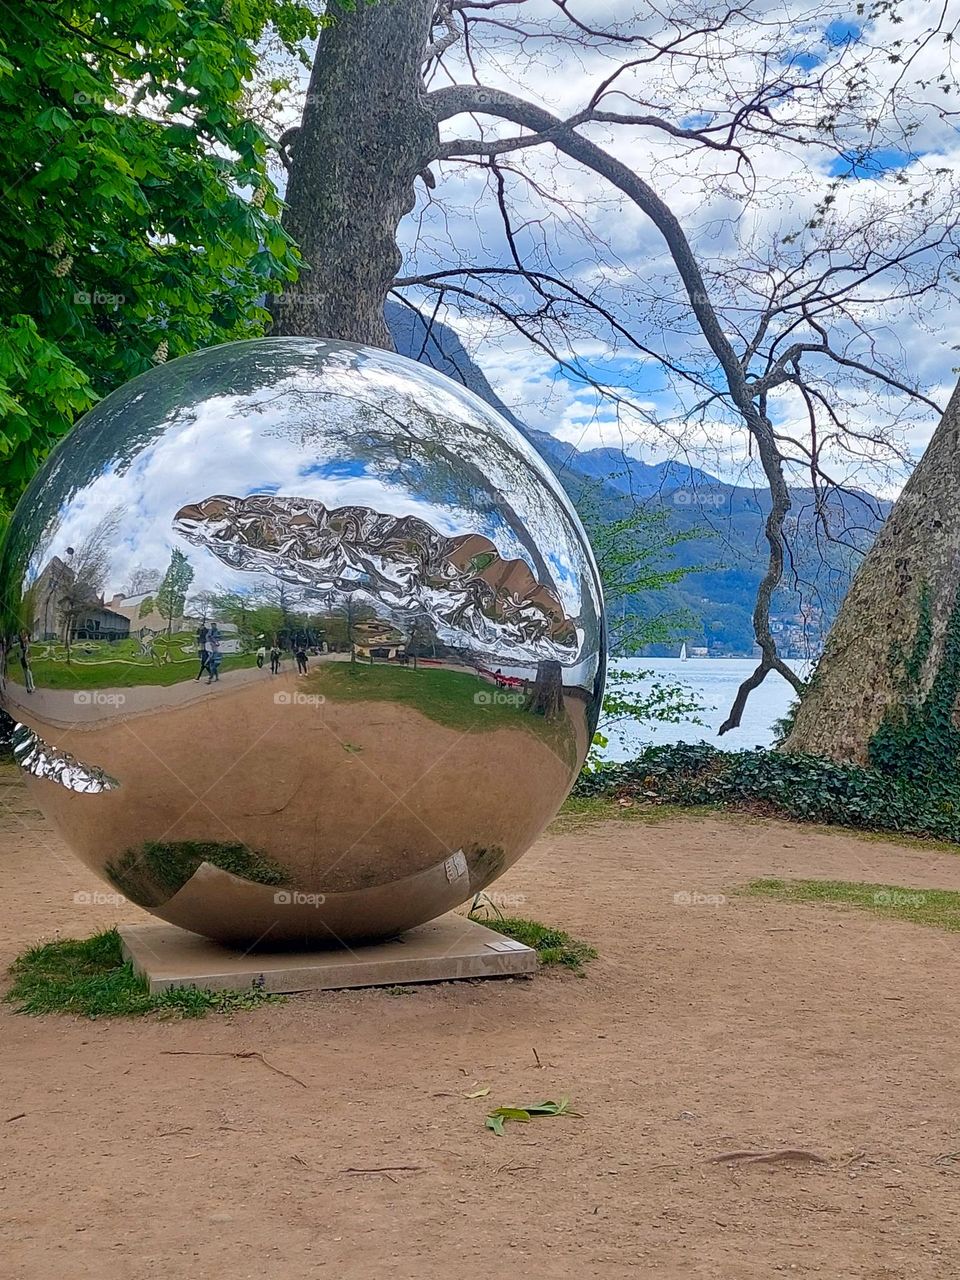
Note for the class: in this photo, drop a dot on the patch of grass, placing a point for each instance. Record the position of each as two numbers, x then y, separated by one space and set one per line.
88 977
553 946
583 811
446 697
156 870
939 908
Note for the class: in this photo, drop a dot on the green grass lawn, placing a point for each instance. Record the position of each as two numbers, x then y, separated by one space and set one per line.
89 978
447 697
937 907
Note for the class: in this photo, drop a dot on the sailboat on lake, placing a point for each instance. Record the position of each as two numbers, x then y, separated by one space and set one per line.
683 652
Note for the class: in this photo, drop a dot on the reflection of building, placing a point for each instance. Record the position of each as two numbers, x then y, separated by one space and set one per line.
54 608
152 621
99 623
47 593
377 640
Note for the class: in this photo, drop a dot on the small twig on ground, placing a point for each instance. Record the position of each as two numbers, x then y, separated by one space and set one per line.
246 1053
768 1157
388 1170
537 1056
18 1116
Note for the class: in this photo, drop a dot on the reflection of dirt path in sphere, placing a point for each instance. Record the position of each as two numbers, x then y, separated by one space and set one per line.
60 706
343 795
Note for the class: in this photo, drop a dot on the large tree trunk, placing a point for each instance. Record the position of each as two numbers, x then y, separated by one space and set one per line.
888 644
365 136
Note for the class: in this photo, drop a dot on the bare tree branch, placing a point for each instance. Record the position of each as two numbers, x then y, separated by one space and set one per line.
446 103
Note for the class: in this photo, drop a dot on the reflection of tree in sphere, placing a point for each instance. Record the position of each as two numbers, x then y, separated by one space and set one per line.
428 614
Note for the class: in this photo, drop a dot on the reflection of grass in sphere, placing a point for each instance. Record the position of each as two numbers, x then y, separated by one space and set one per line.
156 870
446 697
121 665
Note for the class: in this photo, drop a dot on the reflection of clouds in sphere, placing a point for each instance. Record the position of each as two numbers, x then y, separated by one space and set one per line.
282 438
381 521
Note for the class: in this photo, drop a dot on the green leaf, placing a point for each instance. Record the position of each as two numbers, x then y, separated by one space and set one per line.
551 1108
496 1118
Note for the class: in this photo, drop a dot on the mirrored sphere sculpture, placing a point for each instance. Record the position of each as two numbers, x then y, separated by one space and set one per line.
304 642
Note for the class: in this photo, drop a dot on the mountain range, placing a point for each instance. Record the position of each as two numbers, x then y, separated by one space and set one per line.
720 524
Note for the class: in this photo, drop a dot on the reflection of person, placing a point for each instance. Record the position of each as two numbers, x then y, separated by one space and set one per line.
274 658
214 655
202 652
301 660
261 655
25 660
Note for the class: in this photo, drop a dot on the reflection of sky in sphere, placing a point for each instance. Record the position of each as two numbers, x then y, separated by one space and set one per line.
325 422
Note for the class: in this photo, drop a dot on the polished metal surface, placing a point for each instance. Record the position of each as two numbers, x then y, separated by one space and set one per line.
305 642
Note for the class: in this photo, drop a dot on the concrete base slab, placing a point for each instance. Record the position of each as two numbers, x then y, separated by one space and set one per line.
444 950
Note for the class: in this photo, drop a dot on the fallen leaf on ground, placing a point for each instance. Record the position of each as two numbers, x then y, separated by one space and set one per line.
524 1115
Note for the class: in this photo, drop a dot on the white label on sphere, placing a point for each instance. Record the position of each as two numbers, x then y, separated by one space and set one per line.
455 866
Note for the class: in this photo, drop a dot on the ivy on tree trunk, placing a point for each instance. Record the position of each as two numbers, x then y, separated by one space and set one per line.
887 670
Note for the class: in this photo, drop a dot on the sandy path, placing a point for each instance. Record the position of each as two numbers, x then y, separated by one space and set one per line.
700 1030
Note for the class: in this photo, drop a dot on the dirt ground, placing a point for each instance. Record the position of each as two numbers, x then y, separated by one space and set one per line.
701 1030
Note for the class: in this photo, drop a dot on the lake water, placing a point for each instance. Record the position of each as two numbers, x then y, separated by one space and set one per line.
714 681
